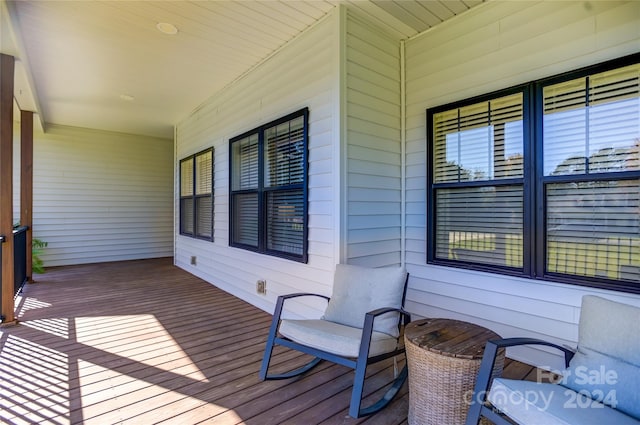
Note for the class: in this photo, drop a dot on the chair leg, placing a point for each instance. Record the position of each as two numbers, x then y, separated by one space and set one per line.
273 331
358 387
483 382
386 398
361 367
266 359
361 370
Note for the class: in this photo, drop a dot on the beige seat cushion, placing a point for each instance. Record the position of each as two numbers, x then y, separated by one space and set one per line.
536 403
334 337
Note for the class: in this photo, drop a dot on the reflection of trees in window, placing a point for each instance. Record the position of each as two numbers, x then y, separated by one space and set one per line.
605 160
450 168
571 165
514 164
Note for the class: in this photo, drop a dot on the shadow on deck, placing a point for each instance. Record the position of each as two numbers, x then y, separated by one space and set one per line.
143 342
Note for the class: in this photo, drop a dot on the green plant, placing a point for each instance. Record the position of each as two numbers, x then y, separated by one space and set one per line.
37 248
38 245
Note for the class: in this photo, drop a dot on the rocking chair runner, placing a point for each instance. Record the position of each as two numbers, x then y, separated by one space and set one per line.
361 326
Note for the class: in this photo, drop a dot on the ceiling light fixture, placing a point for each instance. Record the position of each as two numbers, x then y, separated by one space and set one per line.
127 97
167 28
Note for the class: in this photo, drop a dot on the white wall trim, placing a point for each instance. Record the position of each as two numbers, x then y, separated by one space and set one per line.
403 154
340 139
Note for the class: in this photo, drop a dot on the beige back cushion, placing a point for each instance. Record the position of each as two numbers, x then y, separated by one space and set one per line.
607 363
358 290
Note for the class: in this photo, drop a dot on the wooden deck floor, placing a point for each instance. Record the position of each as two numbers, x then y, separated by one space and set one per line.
144 342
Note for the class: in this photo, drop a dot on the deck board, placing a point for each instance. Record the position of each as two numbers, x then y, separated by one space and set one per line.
141 342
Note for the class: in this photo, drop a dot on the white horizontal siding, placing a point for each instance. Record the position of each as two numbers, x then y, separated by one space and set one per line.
373 163
101 196
302 74
494 46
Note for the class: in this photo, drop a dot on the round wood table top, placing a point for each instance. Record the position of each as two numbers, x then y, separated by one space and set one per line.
448 337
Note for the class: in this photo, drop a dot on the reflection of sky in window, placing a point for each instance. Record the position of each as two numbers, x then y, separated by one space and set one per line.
611 125
473 150
514 139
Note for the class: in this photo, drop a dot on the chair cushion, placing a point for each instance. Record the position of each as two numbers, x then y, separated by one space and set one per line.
358 290
335 338
607 327
607 362
541 403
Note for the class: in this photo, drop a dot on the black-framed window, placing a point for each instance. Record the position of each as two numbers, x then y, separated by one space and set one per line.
268 174
541 180
196 195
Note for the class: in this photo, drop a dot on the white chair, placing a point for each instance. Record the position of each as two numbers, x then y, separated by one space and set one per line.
601 384
361 325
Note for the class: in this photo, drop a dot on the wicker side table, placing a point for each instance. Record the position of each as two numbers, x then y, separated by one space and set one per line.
444 357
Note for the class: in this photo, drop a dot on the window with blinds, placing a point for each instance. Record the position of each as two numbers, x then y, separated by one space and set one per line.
542 180
268 188
477 188
244 185
591 155
196 195
186 197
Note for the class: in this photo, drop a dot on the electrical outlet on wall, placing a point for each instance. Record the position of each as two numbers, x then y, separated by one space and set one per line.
261 286
194 260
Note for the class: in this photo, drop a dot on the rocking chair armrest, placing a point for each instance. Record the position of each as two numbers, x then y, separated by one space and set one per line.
485 373
302 294
370 317
377 312
281 299
514 342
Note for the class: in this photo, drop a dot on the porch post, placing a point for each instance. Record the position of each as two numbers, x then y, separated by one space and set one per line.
26 183
6 184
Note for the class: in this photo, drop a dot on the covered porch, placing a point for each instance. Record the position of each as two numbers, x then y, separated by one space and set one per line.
146 342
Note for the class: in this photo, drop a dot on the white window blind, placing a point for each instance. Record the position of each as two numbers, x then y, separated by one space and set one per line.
245 163
204 173
284 167
481 225
186 197
186 216
483 141
285 221
204 194
186 177
593 229
285 153
246 178
245 220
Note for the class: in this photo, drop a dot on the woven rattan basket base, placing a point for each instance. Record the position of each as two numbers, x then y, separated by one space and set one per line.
440 387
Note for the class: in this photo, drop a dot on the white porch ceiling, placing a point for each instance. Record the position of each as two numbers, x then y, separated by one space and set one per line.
105 65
